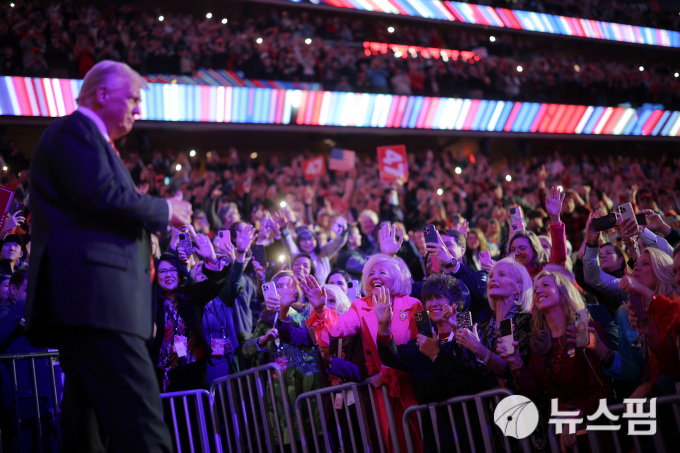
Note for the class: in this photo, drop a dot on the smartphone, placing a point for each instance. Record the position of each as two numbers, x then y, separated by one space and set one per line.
506 337
353 290
339 225
641 219
516 225
485 258
223 237
259 254
626 211
185 244
605 223
516 213
18 206
423 323
432 235
638 307
269 290
464 320
581 324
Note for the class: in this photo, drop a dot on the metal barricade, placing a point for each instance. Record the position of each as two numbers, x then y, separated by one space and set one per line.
33 423
470 409
252 410
193 424
370 435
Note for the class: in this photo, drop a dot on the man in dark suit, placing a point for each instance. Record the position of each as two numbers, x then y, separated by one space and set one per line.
89 289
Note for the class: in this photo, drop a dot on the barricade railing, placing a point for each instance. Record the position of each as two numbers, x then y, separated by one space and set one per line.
461 412
194 426
252 411
364 418
617 438
34 411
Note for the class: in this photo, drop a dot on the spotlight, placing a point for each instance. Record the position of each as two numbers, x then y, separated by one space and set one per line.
224 21
258 40
458 170
178 167
283 204
161 18
390 29
253 155
208 16
641 68
508 178
520 69
308 41
440 192
192 153
492 38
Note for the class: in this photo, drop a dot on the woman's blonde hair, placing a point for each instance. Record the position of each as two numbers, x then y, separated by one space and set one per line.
662 265
571 301
342 302
483 244
401 285
520 275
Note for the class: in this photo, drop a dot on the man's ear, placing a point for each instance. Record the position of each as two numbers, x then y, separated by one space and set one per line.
12 291
101 95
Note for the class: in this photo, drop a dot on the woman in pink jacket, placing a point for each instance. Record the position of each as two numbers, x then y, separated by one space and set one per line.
383 276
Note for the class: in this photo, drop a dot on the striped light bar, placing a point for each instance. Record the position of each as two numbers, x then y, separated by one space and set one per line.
516 19
20 96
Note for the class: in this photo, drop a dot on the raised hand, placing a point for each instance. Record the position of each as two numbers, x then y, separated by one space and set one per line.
315 293
470 339
181 210
462 227
655 223
245 237
592 236
383 309
204 247
553 204
387 236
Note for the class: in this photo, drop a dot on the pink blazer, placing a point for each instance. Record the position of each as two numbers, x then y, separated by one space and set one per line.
360 318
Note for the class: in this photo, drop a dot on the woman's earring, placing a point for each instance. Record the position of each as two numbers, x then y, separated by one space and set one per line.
516 298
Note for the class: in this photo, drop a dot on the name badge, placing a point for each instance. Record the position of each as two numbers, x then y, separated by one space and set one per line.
221 347
181 345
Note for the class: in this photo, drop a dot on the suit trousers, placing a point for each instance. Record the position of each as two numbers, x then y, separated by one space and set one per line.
111 398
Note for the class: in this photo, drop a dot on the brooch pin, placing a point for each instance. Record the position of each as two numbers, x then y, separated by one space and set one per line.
402 315
571 352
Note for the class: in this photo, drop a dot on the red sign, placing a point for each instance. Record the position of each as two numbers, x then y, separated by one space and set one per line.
393 163
313 167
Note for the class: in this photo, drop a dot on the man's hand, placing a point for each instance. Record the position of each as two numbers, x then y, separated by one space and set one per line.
387 237
181 212
655 223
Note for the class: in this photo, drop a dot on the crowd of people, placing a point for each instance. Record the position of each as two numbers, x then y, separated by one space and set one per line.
65 40
268 272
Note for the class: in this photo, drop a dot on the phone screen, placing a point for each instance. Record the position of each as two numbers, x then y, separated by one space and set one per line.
506 327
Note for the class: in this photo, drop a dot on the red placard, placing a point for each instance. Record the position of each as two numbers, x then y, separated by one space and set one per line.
393 163
6 197
313 167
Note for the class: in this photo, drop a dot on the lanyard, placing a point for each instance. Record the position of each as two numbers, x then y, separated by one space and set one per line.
223 328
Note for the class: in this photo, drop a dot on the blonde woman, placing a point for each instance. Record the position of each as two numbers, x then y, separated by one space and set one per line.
509 290
570 374
384 278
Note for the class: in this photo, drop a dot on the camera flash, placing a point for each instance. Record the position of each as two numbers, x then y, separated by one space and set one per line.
282 258
440 192
508 178
283 204
458 170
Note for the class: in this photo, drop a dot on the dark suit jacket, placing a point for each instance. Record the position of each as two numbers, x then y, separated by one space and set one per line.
90 237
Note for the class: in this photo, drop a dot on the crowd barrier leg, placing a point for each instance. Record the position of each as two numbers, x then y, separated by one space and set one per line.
32 424
460 412
194 416
355 398
250 408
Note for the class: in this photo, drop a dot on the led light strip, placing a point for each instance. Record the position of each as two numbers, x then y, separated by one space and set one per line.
23 96
517 19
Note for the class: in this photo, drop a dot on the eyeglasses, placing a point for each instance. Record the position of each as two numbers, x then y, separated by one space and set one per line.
170 270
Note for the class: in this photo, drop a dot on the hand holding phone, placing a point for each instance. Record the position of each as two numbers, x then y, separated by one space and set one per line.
432 235
339 225
353 290
506 335
185 244
485 260
423 323
581 325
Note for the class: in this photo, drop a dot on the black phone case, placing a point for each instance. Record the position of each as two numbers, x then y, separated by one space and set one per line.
423 323
259 254
604 223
